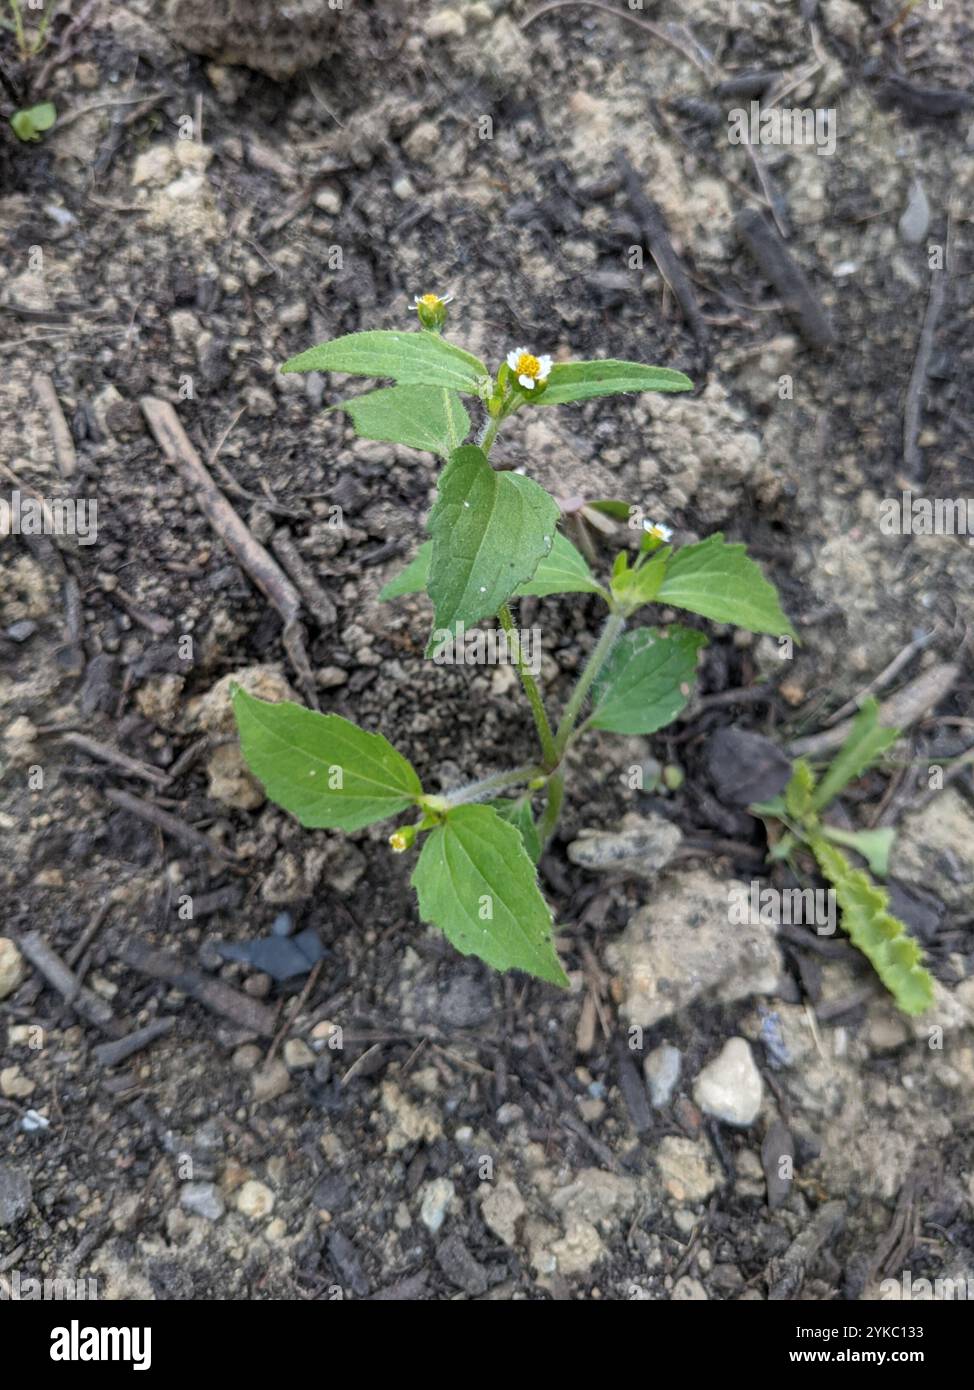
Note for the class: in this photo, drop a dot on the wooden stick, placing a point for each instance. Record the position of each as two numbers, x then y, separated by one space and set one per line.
170 825
84 1002
254 559
47 399
898 712
245 1012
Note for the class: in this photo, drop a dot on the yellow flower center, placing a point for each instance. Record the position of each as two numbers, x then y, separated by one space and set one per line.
430 300
528 366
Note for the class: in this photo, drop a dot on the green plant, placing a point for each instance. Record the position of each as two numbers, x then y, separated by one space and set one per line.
871 927
493 537
27 47
28 124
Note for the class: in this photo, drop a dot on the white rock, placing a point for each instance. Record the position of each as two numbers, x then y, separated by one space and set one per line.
202 1199
662 1071
437 1196
12 967
730 1087
255 1200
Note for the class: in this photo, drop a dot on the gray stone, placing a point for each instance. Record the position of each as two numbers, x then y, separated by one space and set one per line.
683 945
202 1199
915 220
641 849
460 1267
15 1194
662 1071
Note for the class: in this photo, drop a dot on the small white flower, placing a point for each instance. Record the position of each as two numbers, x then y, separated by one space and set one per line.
530 371
658 530
431 301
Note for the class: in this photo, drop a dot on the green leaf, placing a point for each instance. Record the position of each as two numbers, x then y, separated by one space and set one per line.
421 417
490 531
613 507
581 381
872 929
411 580
517 812
867 741
873 845
476 883
43 116
646 680
323 769
564 570
798 794
411 359
634 587
720 581
28 123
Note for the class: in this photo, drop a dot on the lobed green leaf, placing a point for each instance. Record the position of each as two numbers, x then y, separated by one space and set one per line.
872 929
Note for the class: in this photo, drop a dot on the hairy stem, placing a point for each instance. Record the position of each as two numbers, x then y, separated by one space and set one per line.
531 690
497 781
600 652
552 810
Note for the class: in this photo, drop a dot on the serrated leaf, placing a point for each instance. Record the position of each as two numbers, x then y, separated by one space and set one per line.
413 578
873 845
872 929
720 581
646 680
421 417
322 768
490 531
564 570
867 741
798 793
411 359
517 812
476 883
582 381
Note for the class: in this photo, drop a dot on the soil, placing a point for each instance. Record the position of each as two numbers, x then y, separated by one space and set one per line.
408 1124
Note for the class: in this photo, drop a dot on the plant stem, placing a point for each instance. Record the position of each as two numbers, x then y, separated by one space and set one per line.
552 810
497 781
534 695
601 650
490 434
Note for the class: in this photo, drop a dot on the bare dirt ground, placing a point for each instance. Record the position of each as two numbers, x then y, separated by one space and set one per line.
175 237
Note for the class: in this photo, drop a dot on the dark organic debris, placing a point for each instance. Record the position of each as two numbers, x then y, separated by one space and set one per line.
281 957
776 263
746 767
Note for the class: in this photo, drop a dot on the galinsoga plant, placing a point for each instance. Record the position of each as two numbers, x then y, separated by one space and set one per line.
494 537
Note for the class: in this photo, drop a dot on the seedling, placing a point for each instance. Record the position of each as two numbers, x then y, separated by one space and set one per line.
28 124
26 47
872 928
493 538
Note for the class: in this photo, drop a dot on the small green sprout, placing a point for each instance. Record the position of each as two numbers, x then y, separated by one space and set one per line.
28 124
